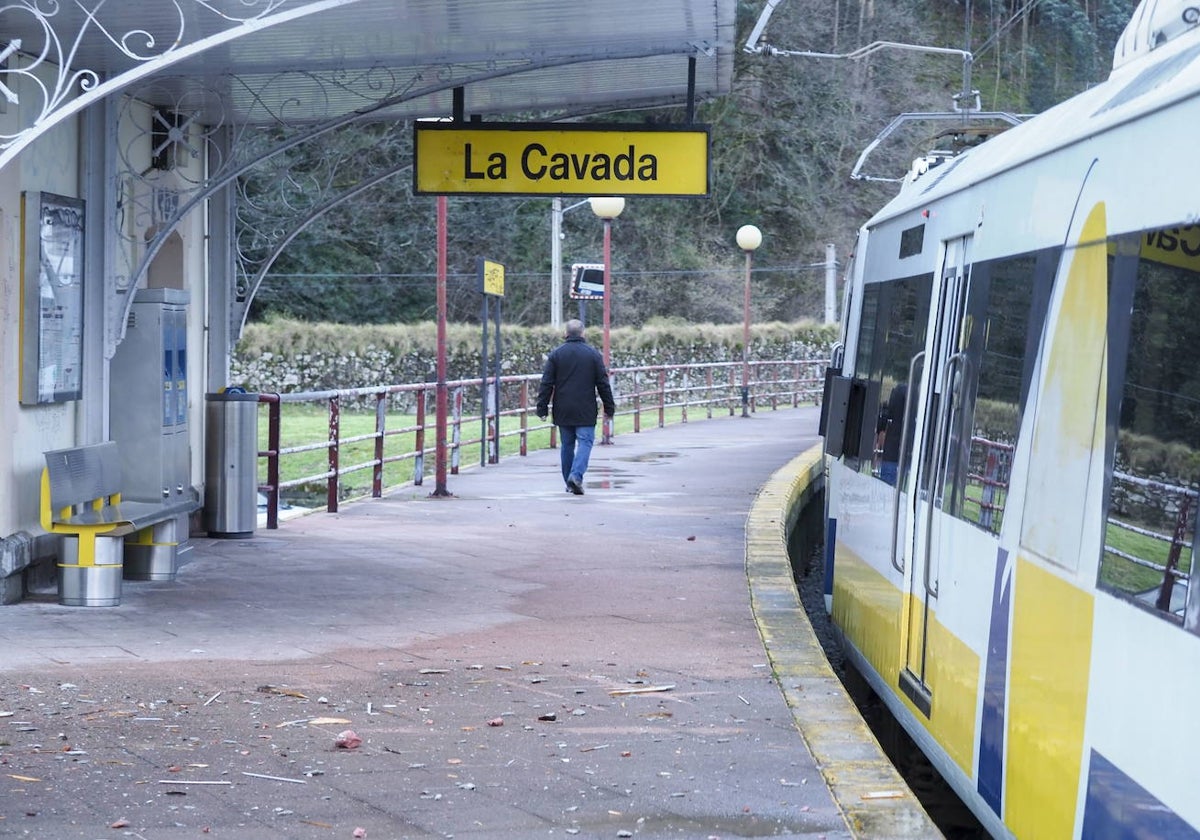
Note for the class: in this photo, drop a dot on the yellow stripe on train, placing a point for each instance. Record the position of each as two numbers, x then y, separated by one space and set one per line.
867 608
1048 682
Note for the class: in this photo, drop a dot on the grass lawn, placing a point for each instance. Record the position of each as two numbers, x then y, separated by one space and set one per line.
1120 574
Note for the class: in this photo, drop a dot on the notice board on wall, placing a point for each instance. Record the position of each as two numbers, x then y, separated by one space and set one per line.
52 298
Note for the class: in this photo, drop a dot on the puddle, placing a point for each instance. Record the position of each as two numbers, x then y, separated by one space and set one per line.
651 457
601 477
607 483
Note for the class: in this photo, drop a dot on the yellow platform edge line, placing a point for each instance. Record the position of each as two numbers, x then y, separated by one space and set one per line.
873 798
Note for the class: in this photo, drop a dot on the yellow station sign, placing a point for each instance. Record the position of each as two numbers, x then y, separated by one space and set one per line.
520 159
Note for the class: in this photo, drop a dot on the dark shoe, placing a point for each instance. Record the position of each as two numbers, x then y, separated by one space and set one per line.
575 486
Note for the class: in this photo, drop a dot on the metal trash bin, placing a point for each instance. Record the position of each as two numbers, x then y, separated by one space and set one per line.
231 464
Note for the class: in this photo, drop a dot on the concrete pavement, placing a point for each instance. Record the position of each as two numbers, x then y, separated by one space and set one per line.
517 662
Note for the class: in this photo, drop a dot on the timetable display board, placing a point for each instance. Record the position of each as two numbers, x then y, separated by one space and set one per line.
52 298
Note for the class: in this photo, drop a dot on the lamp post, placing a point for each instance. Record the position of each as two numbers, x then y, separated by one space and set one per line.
607 208
748 238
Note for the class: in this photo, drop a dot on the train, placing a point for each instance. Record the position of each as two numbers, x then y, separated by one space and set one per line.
1011 429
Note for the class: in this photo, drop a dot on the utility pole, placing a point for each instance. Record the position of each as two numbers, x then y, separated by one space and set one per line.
556 215
830 283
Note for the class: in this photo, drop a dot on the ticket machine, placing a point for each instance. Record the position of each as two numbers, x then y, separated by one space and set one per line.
149 422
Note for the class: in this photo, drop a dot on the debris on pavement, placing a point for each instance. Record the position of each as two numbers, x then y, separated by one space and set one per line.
273 778
286 692
884 794
649 689
347 740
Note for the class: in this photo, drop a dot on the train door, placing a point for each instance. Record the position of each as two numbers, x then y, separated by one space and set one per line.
936 458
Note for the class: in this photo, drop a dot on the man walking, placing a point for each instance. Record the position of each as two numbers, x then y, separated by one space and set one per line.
573 377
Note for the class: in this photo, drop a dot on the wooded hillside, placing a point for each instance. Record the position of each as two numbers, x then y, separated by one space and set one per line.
784 143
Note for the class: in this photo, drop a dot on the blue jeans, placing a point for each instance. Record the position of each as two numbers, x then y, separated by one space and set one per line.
888 471
575 448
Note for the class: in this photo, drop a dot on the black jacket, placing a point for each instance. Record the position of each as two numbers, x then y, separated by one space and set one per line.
573 376
891 422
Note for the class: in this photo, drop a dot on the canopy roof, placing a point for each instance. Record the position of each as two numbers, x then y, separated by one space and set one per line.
293 61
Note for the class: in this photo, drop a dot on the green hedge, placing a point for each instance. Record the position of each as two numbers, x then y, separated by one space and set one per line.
288 356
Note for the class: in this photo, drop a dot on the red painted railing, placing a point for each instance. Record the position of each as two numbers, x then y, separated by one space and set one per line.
637 390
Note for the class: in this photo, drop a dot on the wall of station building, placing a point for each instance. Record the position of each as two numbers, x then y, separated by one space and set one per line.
55 162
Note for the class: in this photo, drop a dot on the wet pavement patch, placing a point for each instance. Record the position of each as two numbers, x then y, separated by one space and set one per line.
650 457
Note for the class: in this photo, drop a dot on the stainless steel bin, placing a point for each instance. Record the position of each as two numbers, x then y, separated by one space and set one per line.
231 464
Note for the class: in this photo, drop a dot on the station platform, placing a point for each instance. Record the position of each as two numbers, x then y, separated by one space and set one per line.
511 662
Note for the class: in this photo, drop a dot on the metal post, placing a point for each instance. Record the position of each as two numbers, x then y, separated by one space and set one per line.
419 446
830 283
380 431
608 423
483 384
556 217
442 407
607 288
456 431
273 425
746 342
662 397
524 417
335 434
496 386
637 403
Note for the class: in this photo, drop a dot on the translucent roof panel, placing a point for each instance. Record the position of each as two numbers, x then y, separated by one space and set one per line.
265 61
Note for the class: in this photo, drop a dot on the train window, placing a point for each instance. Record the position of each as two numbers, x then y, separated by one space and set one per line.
895 331
1002 325
867 325
1153 459
912 241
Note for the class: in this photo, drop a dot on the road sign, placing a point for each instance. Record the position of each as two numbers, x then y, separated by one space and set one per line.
587 281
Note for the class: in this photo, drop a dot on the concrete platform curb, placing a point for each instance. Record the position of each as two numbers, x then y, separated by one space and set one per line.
875 801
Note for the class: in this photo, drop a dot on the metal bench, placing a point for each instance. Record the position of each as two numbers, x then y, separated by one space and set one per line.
81 500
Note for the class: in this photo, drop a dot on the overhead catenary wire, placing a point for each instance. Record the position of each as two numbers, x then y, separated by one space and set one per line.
993 39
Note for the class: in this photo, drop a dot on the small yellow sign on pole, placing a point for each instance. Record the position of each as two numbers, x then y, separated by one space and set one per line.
559 159
491 277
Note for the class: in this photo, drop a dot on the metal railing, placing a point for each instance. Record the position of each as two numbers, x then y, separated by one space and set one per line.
1175 544
652 390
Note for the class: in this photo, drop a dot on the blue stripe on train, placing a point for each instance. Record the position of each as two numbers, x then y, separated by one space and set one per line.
1118 808
830 544
995 688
